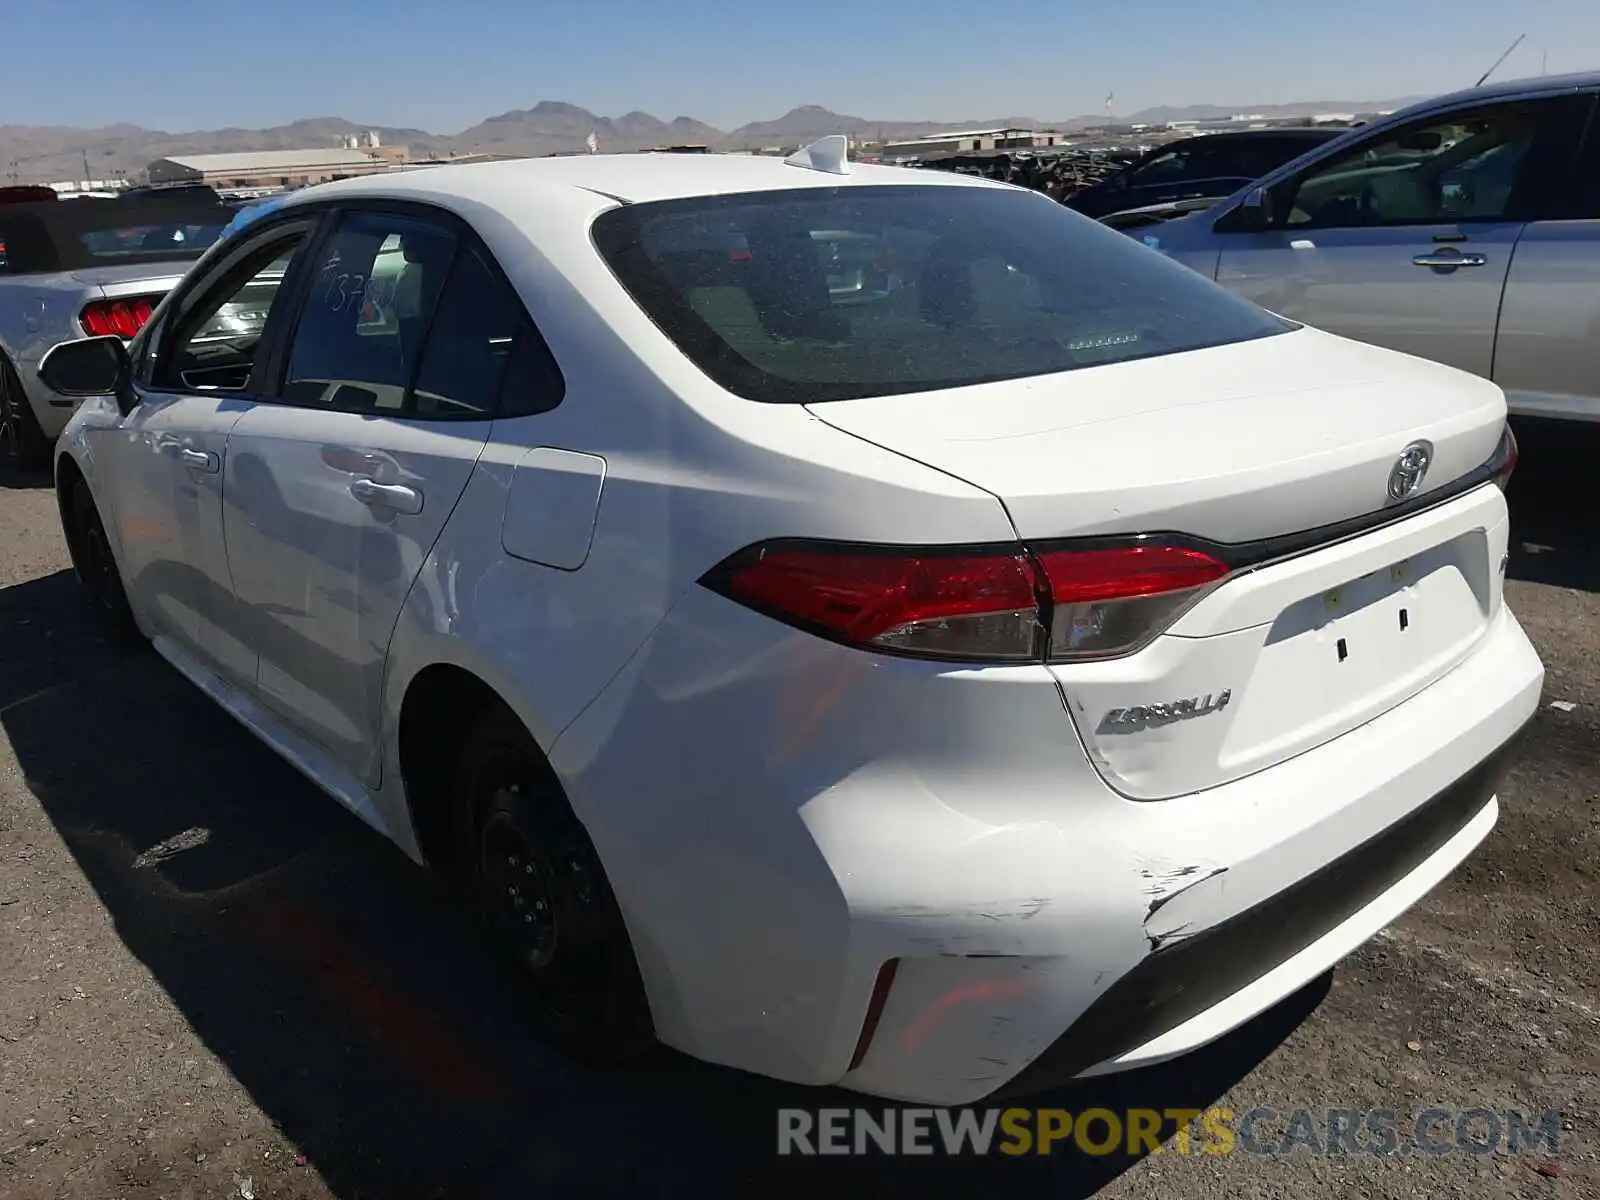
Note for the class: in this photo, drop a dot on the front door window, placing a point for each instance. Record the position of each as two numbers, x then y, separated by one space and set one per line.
212 347
1486 164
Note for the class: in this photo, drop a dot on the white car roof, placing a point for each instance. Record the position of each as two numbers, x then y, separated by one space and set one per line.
631 178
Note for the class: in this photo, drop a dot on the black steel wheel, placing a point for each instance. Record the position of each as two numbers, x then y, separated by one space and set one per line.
23 445
543 895
94 563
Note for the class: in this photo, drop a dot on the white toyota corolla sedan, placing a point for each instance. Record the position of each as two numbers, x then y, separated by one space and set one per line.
859 625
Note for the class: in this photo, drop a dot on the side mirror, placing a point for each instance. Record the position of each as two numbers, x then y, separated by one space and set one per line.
96 366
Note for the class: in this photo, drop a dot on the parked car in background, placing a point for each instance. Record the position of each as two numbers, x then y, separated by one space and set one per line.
1464 229
83 267
1208 165
859 625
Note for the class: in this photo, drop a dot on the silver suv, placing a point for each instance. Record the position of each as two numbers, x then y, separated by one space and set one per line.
1464 229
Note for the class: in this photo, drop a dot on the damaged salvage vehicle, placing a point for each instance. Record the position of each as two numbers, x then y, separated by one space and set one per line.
859 625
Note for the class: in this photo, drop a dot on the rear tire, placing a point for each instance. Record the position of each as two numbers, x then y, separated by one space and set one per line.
537 884
23 446
96 566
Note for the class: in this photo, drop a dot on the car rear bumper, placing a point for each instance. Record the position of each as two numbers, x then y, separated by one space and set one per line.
781 817
1187 992
50 409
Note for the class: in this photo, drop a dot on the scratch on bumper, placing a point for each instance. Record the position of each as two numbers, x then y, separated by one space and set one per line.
1163 892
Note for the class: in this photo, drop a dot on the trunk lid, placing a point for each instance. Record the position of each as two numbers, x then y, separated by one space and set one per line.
1245 442
133 279
1234 443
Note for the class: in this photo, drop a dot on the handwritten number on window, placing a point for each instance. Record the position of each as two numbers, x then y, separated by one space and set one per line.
343 291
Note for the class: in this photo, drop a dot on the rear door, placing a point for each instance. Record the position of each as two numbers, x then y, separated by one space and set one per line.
1405 239
339 488
1547 357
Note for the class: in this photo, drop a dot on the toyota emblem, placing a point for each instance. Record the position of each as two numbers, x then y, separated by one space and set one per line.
1406 476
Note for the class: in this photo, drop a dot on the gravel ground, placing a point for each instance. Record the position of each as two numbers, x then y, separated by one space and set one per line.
214 983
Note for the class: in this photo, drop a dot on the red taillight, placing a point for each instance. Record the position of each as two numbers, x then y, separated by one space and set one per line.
934 605
1001 604
1110 601
1505 459
119 318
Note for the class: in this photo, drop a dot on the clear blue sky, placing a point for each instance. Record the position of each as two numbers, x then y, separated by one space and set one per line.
204 64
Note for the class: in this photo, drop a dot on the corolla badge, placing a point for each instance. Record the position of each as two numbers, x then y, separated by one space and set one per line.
1142 716
1406 475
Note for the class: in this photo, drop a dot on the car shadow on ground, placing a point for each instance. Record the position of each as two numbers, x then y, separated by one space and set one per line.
14 479
1555 517
349 996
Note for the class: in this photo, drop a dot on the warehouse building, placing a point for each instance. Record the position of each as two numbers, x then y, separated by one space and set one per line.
963 140
276 168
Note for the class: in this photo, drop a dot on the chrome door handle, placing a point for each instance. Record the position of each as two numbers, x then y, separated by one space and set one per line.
1450 258
199 460
398 496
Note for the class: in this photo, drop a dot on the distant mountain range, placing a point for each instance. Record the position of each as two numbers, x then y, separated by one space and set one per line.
48 153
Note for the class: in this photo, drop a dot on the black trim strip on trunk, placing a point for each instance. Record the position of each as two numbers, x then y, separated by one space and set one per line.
1249 556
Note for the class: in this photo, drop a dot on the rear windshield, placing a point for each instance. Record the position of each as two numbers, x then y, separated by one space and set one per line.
170 239
67 235
839 293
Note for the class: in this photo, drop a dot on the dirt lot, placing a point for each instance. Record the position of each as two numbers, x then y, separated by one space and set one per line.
213 983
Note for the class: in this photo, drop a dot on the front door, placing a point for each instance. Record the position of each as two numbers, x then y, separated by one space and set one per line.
142 469
1405 240
200 374
196 372
337 492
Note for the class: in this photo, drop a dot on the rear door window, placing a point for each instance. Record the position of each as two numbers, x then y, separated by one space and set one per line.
366 311
483 356
836 293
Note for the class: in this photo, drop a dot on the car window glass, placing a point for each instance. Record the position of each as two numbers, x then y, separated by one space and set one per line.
1582 198
1202 161
366 309
1462 167
532 382
481 345
1174 164
213 345
805 296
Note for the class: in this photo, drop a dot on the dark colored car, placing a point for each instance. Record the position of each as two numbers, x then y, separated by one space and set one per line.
1208 165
